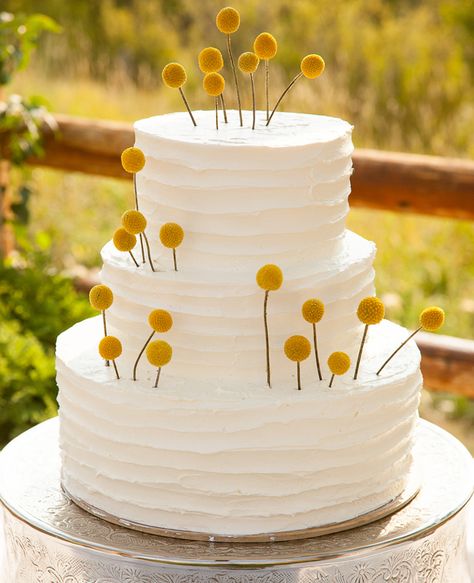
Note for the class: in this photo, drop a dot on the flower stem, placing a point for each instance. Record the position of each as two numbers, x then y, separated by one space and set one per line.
318 365
158 372
283 95
140 355
217 113
134 260
359 356
174 260
267 342
107 362
298 374
267 80
116 370
331 381
148 251
187 107
253 100
395 351
224 110
231 57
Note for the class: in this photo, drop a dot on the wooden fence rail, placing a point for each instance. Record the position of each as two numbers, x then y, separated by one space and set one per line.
382 180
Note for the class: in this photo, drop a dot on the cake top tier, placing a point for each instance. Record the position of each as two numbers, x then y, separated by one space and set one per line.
287 129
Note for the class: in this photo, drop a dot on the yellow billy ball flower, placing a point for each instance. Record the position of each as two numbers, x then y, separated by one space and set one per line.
123 240
339 363
432 318
270 277
248 62
297 348
133 222
159 353
312 66
213 84
313 310
210 60
110 348
265 46
171 235
174 75
160 320
228 20
101 297
133 160
371 311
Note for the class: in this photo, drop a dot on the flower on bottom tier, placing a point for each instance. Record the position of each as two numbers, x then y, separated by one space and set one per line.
101 298
338 363
370 311
160 321
110 348
297 349
313 312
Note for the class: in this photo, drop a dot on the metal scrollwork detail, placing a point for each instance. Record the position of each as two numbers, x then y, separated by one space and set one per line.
33 558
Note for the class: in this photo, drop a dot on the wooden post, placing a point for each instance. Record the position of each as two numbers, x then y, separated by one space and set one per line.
6 232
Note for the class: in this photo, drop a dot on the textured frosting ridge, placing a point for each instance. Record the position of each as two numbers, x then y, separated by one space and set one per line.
213 449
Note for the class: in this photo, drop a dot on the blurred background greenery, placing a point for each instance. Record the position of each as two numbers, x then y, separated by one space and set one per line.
400 70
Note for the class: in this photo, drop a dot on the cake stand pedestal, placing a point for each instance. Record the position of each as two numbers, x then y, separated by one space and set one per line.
48 539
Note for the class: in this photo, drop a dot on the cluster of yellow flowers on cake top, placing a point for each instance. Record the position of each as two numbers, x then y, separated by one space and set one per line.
211 62
297 348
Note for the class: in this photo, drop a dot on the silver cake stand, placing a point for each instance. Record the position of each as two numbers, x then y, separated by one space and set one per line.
49 539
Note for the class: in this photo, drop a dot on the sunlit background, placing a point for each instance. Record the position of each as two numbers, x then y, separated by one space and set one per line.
401 71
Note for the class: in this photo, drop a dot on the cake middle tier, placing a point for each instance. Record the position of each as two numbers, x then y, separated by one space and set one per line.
218 331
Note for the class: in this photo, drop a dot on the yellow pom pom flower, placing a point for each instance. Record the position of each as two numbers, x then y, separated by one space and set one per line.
228 20
110 348
123 240
339 363
133 222
432 318
265 46
210 60
171 235
313 310
133 160
270 277
160 320
371 311
297 348
174 75
312 66
248 62
101 297
214 84
159 353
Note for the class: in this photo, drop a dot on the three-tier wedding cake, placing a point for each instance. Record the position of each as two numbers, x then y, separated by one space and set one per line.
213 448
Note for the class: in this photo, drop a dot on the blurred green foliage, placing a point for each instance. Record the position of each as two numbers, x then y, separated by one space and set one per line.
35 306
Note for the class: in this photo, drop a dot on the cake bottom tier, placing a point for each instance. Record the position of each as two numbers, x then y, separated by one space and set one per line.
229 460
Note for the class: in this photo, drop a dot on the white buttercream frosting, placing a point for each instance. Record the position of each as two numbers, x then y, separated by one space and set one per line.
213 449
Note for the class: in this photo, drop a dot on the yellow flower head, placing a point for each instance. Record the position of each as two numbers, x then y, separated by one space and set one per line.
133 222
159 353
228 20
160 320
210 60
339 363
123 240
270 277
432 318
174 75
133 160
110 348
297 348
248 62
313 310
101 297
213 84
312 66
371 310
265 46
171 235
